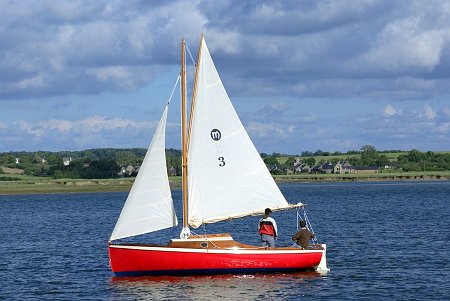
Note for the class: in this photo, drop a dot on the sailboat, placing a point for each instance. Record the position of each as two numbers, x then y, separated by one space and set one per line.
223 178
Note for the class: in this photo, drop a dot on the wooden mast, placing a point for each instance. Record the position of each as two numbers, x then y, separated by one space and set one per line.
194 90
186 140
183 132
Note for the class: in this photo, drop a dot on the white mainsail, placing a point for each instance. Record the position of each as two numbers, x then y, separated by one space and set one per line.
226 176
149 206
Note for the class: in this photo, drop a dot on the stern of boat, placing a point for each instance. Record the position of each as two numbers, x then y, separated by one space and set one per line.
322 267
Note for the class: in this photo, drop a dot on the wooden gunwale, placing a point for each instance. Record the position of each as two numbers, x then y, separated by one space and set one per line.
213 242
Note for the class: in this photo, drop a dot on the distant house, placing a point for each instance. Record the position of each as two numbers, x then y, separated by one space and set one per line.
67 160
315 169
172 171
17 160
327 168
365 169
301 168
342 167
129 169
126 170
273 167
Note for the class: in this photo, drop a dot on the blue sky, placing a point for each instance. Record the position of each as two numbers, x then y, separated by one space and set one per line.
302 75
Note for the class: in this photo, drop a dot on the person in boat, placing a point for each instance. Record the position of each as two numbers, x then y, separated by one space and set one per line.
268 229
303 236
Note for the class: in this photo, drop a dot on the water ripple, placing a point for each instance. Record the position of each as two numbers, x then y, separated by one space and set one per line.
385 241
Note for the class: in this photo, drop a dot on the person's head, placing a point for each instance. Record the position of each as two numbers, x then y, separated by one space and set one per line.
302 224
267 211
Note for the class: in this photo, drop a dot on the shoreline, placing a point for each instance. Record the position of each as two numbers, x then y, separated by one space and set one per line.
366 178
50 186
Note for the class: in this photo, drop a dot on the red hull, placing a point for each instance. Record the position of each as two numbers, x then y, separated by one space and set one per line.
136 260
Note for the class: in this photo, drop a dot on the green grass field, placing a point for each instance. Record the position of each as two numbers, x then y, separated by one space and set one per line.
439 175
392 156
46 185
35 185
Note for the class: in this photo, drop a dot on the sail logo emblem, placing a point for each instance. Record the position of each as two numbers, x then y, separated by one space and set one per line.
216 135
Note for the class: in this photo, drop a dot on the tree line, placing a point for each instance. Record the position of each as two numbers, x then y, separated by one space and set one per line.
106 162
99 163
368 155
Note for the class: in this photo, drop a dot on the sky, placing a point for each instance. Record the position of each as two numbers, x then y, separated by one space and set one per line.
302 75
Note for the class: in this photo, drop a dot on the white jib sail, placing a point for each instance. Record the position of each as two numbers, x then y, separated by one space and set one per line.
149 206
226 176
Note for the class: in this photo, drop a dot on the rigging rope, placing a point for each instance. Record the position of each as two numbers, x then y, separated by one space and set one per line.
190 54
173 90
308 223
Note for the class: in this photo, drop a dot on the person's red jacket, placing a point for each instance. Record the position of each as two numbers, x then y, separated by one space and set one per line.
268 226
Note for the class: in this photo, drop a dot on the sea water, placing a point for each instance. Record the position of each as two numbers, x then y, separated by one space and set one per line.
386 241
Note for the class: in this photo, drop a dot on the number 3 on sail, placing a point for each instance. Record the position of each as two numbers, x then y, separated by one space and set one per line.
206 199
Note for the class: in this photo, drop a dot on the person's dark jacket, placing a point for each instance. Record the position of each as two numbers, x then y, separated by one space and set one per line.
302 237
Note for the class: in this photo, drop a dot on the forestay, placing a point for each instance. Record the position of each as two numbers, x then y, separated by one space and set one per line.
149 206
226 176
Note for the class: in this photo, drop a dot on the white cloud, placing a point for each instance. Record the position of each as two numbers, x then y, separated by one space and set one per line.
279 47
56 125
389 111
267 130
64 48
229 42
394 53
405 43
106 73
420 127
101 123
429 112
59 134
29 83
